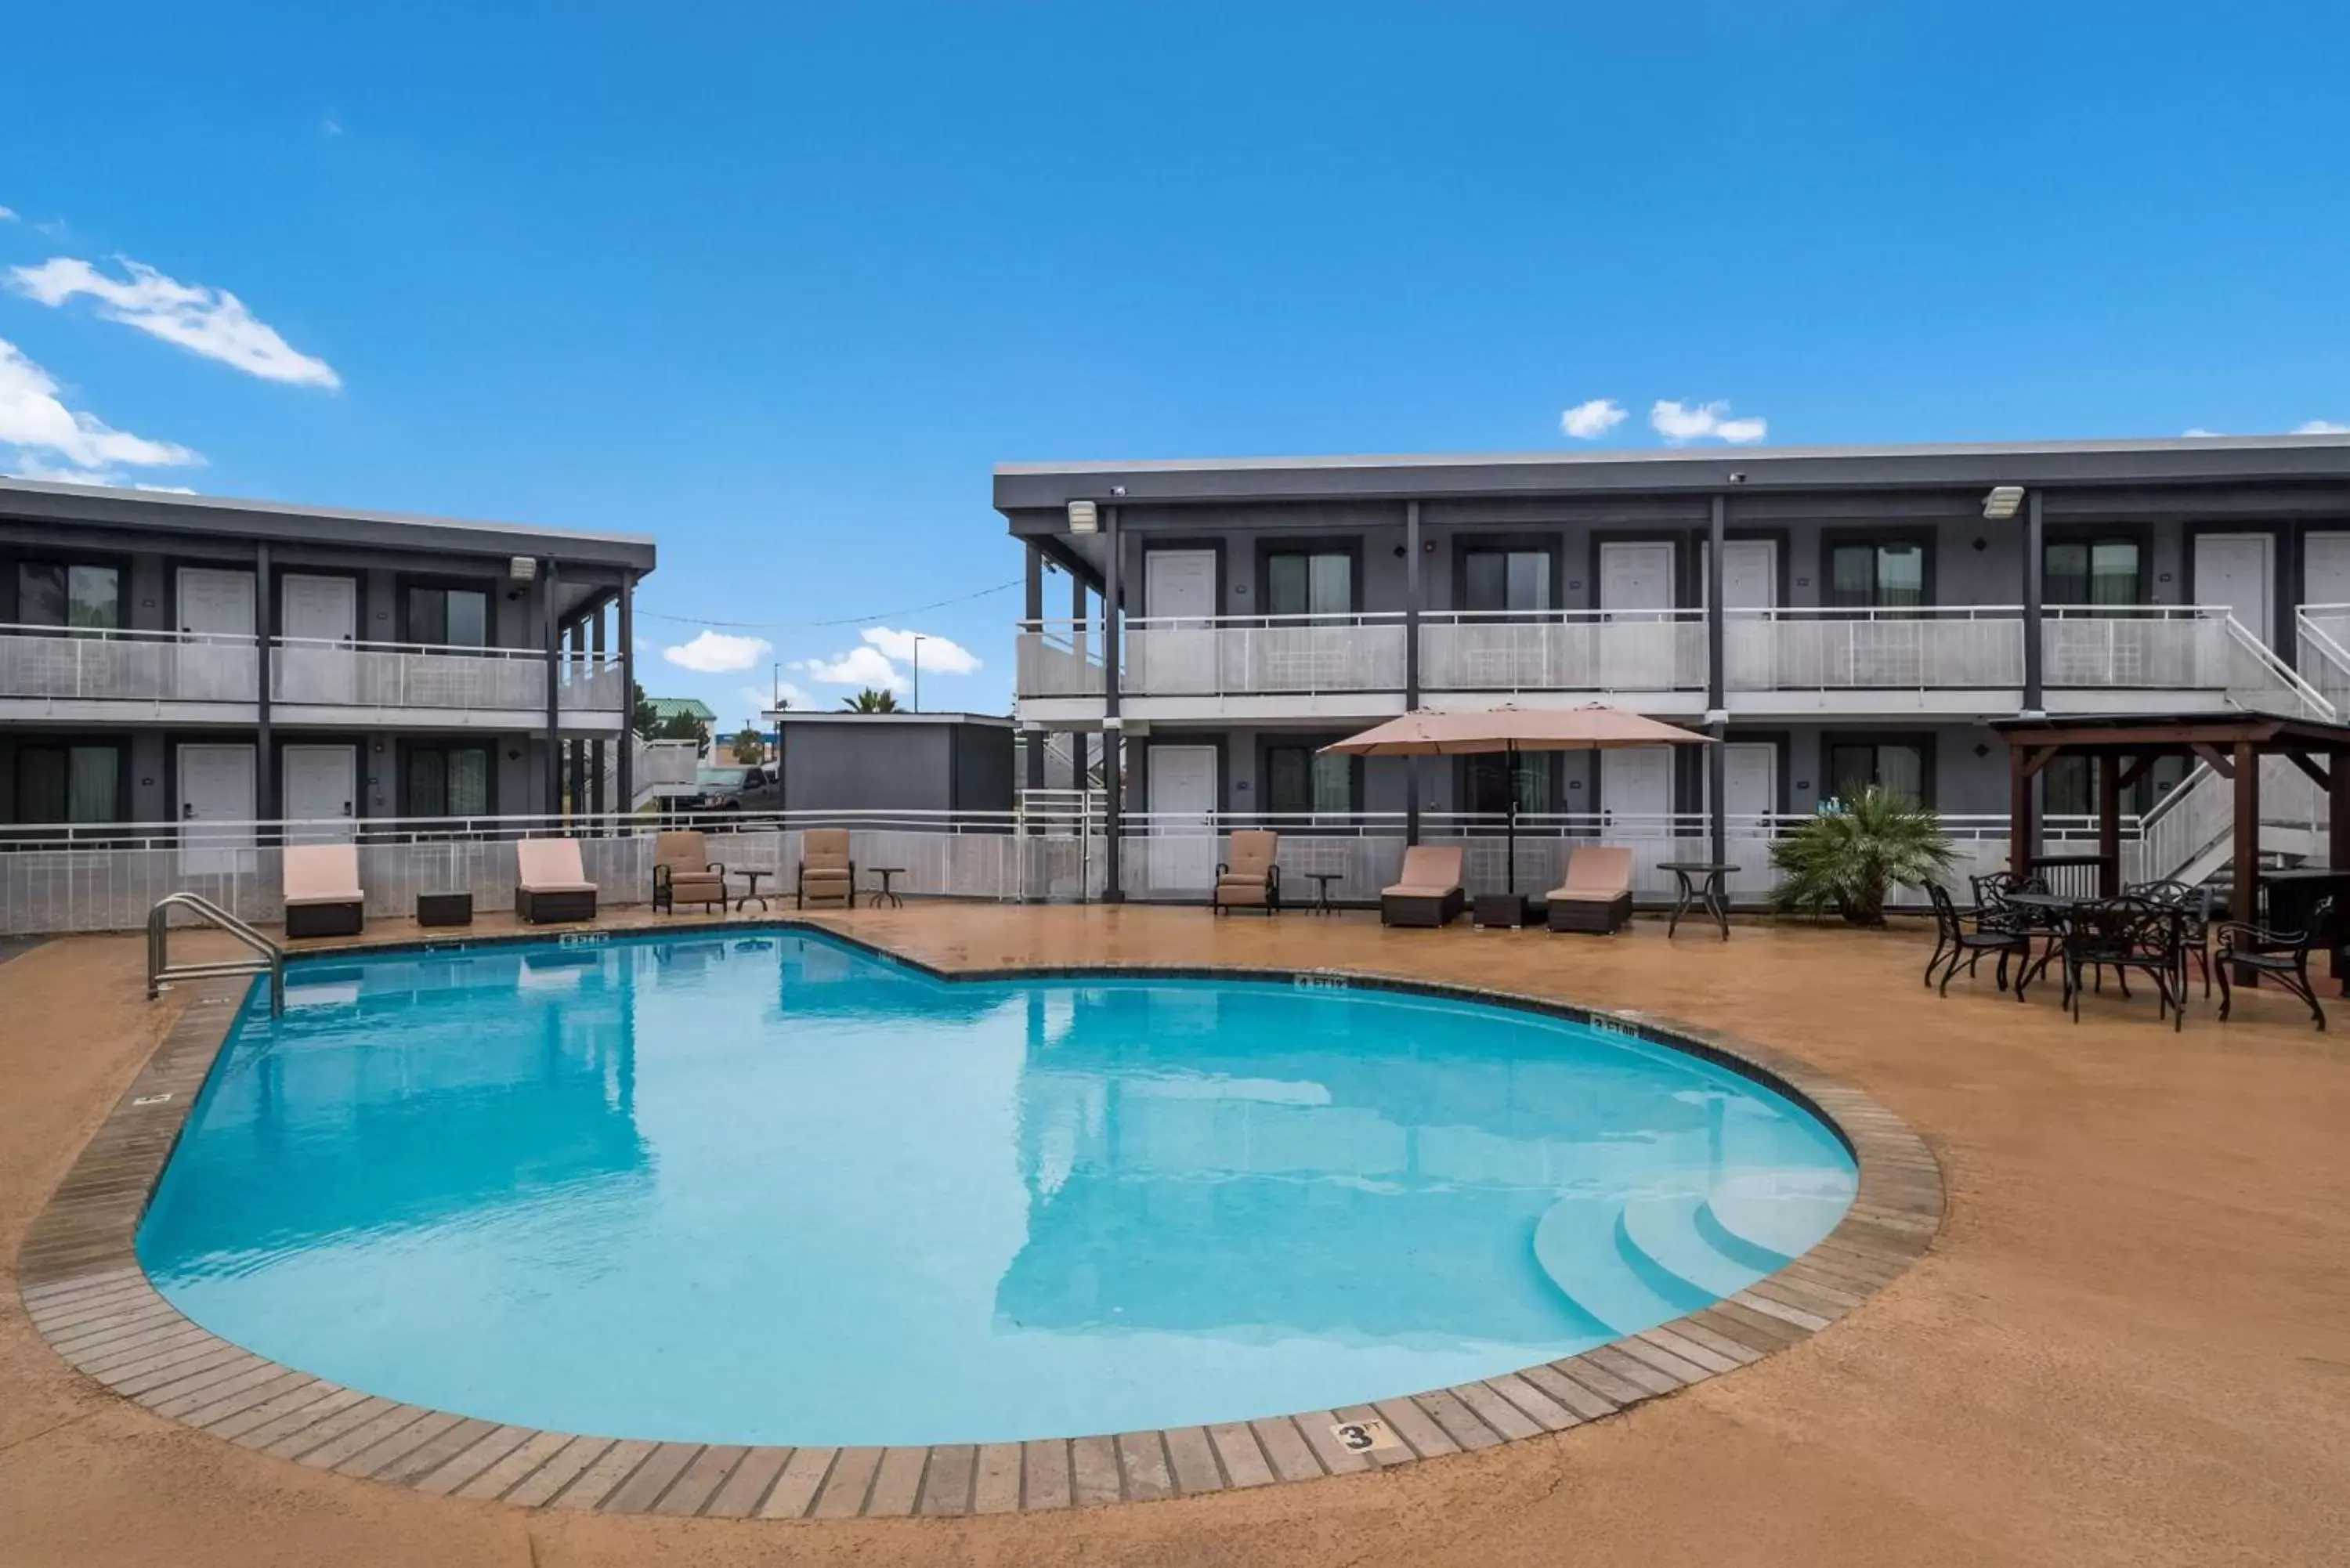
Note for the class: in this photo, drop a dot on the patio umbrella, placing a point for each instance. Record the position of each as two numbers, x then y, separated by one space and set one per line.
1510 729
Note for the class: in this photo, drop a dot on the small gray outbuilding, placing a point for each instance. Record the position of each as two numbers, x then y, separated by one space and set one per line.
894 761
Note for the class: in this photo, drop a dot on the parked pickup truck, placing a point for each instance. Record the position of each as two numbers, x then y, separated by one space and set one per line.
735 787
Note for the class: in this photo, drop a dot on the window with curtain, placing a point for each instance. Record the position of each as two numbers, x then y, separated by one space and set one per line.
1488 777
64 594
449 617
68 783
1309 582
1897 766
2091 572
448 781
1505 580
1300 778
1881 574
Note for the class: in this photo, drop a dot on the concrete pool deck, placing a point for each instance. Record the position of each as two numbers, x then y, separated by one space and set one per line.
2125 1345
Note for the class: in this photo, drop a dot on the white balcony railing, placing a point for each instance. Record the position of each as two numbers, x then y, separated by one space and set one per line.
1251 655
1058 659
1563 650
92 665
1923 648
413 676
2325 650
589 686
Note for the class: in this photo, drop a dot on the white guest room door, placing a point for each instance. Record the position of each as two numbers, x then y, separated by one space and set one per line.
1636 654
216 806
319 615
321 792
216 615
2235 570
2326 570
1636 787
1178 598
1183 819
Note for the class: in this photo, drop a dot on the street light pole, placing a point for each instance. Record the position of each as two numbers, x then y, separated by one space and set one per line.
918 672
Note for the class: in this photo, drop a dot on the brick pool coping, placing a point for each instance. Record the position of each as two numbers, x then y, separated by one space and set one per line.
83 1288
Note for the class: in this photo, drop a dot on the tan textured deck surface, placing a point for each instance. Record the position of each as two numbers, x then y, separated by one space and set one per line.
2127 1344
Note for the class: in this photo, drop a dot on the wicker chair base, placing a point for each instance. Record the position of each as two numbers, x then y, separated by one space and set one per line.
1591 916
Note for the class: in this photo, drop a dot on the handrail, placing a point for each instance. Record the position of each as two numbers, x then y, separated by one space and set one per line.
2312 699
269 957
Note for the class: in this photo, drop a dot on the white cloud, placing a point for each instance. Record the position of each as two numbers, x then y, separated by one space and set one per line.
330 126
165 489
2199 433
212 322
716 653
1589 422
859 667
797 698
8 214
939 655
34 421
1679 422
2320 427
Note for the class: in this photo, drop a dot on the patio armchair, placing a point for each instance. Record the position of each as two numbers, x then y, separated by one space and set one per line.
1597 896
683 869
1428 892
2126 934
1250 879
826 869
323 897
2194 905
549 883
2283 955
1995 931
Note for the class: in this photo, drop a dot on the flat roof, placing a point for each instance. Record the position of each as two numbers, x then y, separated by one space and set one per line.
900 716
36 501
2214 460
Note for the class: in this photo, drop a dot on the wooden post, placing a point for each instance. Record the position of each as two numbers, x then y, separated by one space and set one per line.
2109 825
2020 846
2244 898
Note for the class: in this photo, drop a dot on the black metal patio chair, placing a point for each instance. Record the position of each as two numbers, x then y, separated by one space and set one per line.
2195 905
2124 934
2282 954
1954 944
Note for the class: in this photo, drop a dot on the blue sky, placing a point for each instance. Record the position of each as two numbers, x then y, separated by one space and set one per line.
778 284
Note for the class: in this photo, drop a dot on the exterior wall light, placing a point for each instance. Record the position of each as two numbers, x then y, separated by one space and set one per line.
2002 503
1083 518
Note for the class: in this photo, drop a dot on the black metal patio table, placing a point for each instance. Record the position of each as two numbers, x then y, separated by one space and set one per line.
1702 882
2048 913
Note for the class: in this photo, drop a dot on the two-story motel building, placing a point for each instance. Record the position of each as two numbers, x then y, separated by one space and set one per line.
1835 616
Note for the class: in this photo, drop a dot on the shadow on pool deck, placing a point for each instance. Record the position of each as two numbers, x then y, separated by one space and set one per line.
2127 1344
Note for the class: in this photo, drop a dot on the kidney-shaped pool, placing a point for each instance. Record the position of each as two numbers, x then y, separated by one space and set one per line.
768 1188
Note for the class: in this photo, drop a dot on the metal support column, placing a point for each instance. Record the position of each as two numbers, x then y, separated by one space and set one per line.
596 746
1413 588
1033 607
1717 712
265 803
552 634
2034 698
627 631
574 638
1113 752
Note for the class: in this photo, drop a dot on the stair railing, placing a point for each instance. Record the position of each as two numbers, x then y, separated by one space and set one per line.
268 958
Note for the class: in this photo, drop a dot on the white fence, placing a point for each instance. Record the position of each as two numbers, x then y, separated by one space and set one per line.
127 666
1263 654
1058 659
1922 649
388 675
1563 650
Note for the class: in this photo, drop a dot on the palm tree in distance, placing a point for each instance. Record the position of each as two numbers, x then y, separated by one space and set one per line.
871 702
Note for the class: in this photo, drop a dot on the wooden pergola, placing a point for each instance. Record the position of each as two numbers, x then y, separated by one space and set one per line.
2232 742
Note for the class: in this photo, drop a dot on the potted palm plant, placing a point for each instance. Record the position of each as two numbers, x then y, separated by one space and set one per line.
1847 856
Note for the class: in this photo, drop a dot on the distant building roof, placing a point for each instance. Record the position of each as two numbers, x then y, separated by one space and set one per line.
692 707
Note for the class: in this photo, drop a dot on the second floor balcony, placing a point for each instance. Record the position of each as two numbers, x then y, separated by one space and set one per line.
72 674
1950 659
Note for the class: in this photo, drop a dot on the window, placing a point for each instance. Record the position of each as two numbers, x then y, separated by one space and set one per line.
1899 766
1301 778
449 617
68 783
1505 580
2091 572
2069 788
1883 573
449 781
1309 582
1487 779
58 593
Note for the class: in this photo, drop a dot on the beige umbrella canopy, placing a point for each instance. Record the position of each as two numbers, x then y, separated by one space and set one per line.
1595 726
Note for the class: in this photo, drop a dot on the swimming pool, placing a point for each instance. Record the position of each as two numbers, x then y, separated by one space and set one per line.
769 1187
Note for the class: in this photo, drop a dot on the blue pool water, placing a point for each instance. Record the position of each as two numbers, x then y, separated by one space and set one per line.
737 1187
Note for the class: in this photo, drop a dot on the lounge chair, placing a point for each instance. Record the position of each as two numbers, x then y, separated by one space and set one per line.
826 869
549 883
322 890
1596 895
1250 879
1428 892
683 872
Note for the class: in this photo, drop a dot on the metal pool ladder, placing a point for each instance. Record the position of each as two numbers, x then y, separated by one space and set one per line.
268 958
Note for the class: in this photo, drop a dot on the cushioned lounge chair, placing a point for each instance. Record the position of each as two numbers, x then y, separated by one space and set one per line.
1250 879
683 873
826 869
322 890
1596 895
1429 893
549 883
